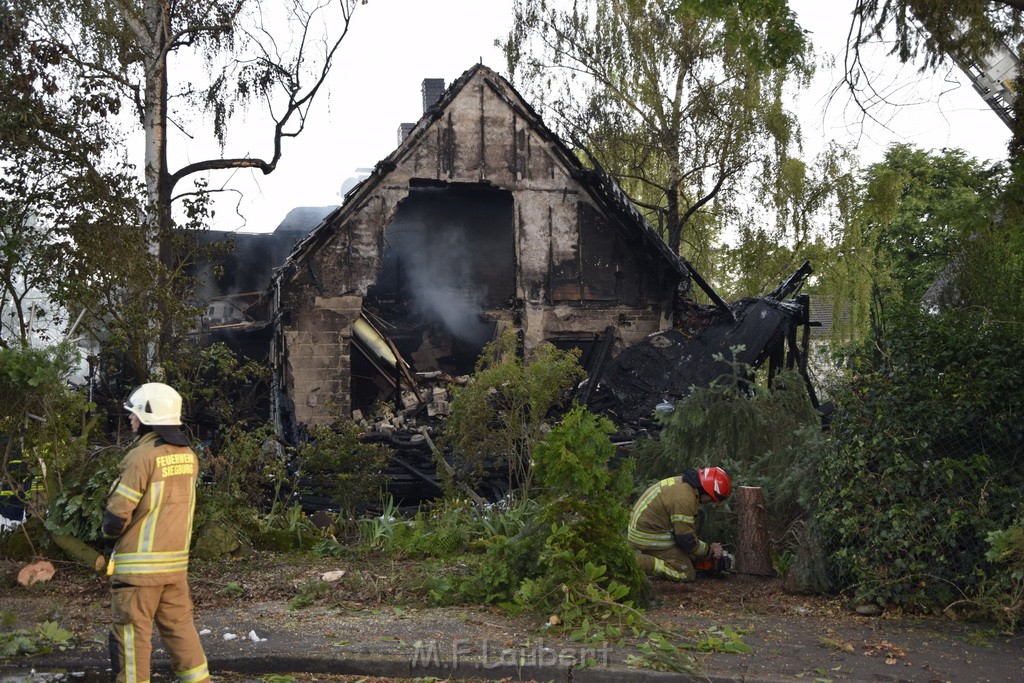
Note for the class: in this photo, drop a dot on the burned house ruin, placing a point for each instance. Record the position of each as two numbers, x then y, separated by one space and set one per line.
479 220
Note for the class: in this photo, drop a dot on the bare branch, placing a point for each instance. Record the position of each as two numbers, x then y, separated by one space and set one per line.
298 102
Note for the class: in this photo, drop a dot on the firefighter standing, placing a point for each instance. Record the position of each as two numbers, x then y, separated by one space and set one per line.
666 520
149 513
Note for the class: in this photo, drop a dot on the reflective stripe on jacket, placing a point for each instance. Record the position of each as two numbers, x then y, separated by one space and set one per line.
667 511
152 502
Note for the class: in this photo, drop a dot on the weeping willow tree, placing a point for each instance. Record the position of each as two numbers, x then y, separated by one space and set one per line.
913 222
682 102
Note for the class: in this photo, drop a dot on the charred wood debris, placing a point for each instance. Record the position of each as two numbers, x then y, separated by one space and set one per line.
626 387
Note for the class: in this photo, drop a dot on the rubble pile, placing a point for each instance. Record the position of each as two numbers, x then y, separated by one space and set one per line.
409 431
422 408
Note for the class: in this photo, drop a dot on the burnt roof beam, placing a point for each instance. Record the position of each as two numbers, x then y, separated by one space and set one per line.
604 187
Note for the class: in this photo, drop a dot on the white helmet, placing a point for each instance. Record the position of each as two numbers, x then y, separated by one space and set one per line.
155 404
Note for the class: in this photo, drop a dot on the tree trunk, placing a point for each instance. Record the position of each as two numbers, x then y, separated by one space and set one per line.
754 553
673 227
80 551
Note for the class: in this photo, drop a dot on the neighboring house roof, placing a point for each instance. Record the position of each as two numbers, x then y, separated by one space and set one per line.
601 188
823 311
249 265
302 219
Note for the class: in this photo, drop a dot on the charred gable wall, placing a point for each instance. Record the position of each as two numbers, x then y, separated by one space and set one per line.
480 219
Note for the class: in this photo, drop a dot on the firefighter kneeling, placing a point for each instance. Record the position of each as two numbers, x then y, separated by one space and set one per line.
666 521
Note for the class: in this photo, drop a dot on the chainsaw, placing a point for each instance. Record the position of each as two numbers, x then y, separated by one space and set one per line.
716 566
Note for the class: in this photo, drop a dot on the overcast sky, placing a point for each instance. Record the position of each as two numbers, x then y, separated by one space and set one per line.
394 44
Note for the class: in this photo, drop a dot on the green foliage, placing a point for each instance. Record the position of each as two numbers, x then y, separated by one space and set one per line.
328 546
584 570
232 589
761 435
782 561
76 508
336 464
682 102
499 417
661 654
216 383
242 490
733 420
446 530
44 638
724 639
47 447
912 216
247 465
807 200
288 530
1007 545
99 55
934 29
377 532
924 460
1002 598
38 408
586 502
309 593
561 552
989 271
65 217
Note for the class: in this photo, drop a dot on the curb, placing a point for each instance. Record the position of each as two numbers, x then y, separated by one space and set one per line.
389 667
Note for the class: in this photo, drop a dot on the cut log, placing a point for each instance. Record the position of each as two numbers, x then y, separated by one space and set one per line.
753 556
34 573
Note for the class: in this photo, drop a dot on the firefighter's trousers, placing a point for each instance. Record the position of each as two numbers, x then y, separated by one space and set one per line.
135 609
668 563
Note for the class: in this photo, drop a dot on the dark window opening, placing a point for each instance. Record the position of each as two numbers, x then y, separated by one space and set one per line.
448 256
585 343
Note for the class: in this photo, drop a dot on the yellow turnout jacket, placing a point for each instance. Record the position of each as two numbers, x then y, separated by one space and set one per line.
150 510
667 515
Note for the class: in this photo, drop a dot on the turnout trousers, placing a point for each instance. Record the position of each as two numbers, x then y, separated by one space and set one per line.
668 563
135 609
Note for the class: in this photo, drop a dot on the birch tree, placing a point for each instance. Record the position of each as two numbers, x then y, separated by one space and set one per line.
188 68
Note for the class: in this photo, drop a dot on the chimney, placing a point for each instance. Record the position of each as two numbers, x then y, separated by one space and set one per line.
403 131
433 88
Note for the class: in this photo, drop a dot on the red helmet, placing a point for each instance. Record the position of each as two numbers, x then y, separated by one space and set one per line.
715 483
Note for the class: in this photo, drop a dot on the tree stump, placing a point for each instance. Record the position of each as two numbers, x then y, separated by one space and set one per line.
753 556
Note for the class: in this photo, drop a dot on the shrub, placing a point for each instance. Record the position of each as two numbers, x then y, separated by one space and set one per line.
925 460
216 384
575 562
47 456
500 416
334 463
1003 597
